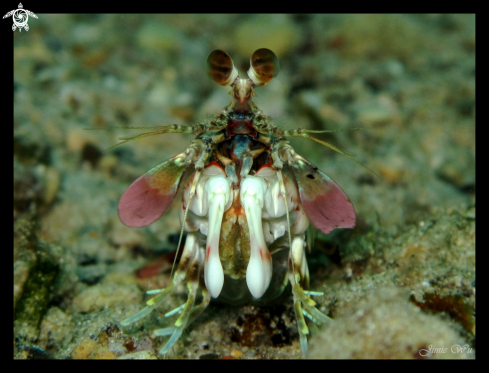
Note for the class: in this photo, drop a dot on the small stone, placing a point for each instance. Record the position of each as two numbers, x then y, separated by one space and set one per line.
380 110
52 182
102 353
56 327
100 296
83 349
77 138
236 353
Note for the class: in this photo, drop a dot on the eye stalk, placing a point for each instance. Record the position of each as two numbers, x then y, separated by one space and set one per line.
264 66
220 68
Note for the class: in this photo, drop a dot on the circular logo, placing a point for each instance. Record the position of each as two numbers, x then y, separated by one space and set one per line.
20 18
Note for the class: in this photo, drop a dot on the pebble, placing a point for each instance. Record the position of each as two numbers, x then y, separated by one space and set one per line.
105 295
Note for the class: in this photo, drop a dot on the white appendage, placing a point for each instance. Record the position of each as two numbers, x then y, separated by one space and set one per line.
218 194
212 198
298 253
259 271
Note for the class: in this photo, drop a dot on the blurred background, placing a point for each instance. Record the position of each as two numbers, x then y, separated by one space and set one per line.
407 80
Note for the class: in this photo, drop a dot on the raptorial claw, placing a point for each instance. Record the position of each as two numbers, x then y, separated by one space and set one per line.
218 194
259 271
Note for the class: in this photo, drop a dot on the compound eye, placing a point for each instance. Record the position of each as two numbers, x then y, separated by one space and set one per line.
220 68
264 66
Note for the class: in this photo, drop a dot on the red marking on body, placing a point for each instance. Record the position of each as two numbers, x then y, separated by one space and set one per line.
208 253
141 204
214 163
235 209
241 127
266 165
261 254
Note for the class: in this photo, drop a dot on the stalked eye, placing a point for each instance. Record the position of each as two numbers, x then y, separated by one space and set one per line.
220 68
264 66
